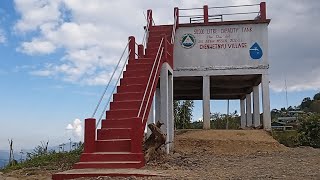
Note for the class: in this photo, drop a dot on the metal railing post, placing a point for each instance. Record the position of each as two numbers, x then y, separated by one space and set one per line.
149 17
263 11
176 16
205 14
132 48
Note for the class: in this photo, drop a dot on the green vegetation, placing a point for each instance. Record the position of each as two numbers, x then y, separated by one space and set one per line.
219 121
307 105
48 160
307 128
183 114
307 133
287 138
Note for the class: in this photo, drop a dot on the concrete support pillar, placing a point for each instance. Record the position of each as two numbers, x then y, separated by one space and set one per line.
266 102
157 105
248 110
206 102
150 118
256 107
164 98
170 113
243 122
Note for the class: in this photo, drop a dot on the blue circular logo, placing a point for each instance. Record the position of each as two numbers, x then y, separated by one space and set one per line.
188 41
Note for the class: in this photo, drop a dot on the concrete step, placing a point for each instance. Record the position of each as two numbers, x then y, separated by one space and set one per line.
122 113
97 173
160 34
154 44
136 66
119 123
109 165
139 60
127 96
111 156
131 104
131 87
136 73
113 133
153 51
162 28
153 39
113 145
133 80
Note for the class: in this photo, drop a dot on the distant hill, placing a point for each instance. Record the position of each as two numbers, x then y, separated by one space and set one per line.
4 156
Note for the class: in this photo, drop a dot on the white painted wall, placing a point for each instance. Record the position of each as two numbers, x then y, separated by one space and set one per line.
225 52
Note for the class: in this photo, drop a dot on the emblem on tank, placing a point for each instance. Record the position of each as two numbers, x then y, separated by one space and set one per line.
255 51
188 41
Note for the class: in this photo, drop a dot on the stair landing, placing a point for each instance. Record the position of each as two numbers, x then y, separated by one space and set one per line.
77 173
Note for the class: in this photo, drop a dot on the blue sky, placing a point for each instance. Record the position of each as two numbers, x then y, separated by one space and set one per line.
56 57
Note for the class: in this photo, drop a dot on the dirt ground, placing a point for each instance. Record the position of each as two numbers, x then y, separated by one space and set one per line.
220 154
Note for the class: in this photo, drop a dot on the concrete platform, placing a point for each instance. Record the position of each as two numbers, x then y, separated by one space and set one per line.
80 173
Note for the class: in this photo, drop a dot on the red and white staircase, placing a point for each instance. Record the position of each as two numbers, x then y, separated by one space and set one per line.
118 144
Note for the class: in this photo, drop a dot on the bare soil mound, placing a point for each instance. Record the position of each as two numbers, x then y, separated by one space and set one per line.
226 142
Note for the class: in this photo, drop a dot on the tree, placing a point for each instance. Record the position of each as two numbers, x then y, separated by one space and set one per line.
315 106
309 131
306 103
316 97
176 110
183 113
290 108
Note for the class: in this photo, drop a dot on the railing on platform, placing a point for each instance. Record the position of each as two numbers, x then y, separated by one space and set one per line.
222 13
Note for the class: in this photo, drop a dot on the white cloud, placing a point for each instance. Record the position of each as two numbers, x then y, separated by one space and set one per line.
91 44
69 127
92 34
76 129
37 46
35 13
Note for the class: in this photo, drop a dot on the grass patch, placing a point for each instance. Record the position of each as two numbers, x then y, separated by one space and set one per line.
49 161
287 138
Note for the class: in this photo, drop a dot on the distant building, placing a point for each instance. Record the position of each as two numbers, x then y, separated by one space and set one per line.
281 126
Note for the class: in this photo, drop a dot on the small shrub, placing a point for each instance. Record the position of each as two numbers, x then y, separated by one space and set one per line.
309 131
287 138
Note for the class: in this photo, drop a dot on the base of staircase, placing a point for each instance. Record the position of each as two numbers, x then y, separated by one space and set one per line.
80 173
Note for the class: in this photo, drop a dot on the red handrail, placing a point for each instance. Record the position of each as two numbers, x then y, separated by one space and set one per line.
151 75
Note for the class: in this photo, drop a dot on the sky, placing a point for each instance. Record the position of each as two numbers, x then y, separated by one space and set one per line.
56 56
